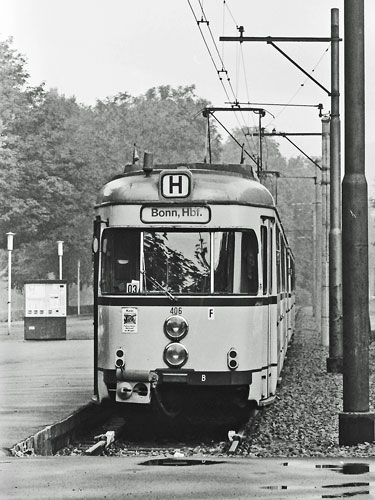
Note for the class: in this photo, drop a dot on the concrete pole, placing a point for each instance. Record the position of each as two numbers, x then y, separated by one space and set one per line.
356 423
334 361
79 287
10 237
315 291
325 231
60 252
318 249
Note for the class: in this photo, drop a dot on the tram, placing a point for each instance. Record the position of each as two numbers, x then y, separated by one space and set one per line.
194 288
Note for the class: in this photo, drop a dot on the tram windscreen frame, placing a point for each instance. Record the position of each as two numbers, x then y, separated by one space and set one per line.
179 262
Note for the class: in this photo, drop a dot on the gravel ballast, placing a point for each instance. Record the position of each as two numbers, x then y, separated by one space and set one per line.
303 421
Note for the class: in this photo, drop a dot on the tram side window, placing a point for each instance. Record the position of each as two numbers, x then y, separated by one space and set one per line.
223 261
249 263
283 266
264 258
236 262
292 276
278 261
270 261
120 261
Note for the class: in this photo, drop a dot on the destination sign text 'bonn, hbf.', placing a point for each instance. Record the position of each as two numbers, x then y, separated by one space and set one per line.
180 214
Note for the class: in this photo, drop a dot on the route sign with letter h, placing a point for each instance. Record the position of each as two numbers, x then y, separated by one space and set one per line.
176 184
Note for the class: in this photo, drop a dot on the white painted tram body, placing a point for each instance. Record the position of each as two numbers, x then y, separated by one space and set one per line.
194 287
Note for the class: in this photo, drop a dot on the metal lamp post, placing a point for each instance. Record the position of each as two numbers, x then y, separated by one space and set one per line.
60 252
10 248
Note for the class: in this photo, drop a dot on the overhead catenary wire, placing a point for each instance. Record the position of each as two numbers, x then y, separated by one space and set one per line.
205 21
225 5
221 69
319 106
236 102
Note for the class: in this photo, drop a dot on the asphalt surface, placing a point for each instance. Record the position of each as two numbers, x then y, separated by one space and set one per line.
118 478
43 381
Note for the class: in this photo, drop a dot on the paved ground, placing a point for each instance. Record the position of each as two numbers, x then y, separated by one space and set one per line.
118 478
43 381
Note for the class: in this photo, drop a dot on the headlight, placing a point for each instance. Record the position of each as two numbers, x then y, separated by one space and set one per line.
176 327
175 355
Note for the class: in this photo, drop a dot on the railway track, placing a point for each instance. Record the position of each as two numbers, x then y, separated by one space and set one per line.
138 435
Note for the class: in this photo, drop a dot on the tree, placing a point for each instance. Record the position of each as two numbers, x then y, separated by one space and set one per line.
165 121
271 156
14 102
57 154
44 170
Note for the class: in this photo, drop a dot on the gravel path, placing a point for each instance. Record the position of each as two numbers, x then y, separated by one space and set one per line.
303 421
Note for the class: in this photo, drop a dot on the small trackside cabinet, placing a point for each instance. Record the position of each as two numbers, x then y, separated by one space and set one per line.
45 310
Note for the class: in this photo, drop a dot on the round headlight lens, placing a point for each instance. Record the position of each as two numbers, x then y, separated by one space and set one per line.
176 327
175 355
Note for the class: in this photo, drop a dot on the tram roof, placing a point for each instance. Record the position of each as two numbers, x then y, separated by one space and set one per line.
212 183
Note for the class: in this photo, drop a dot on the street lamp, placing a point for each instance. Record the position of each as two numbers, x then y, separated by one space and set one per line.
10 248
60 253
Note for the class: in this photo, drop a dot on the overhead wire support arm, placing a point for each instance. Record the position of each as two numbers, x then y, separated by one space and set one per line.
235 107
285 135
300 68
209 111
319 106
301 151
271 41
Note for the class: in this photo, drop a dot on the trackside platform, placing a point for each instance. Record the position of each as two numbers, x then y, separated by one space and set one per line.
43 381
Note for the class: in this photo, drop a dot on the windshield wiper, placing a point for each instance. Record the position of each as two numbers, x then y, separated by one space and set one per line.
159 285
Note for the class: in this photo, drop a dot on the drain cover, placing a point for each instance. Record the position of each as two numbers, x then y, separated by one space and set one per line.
178 462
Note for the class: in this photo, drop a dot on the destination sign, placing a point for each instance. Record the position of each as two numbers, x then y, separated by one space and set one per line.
179 214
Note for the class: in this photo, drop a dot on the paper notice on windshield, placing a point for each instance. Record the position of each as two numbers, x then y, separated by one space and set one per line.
129 319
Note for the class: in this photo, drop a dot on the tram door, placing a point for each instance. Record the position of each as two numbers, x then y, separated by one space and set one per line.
267 244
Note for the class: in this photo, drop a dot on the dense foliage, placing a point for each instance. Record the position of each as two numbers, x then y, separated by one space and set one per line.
56 153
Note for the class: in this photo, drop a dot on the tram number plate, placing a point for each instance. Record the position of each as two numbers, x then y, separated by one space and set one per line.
176 310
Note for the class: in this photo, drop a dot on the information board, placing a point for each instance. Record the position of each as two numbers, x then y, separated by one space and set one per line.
45 299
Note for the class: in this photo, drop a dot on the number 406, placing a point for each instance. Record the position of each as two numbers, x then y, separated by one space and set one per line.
176 310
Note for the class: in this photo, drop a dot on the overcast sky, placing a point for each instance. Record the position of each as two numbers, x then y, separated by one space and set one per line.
93 49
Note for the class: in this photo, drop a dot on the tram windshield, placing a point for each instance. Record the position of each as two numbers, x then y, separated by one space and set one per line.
179 262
